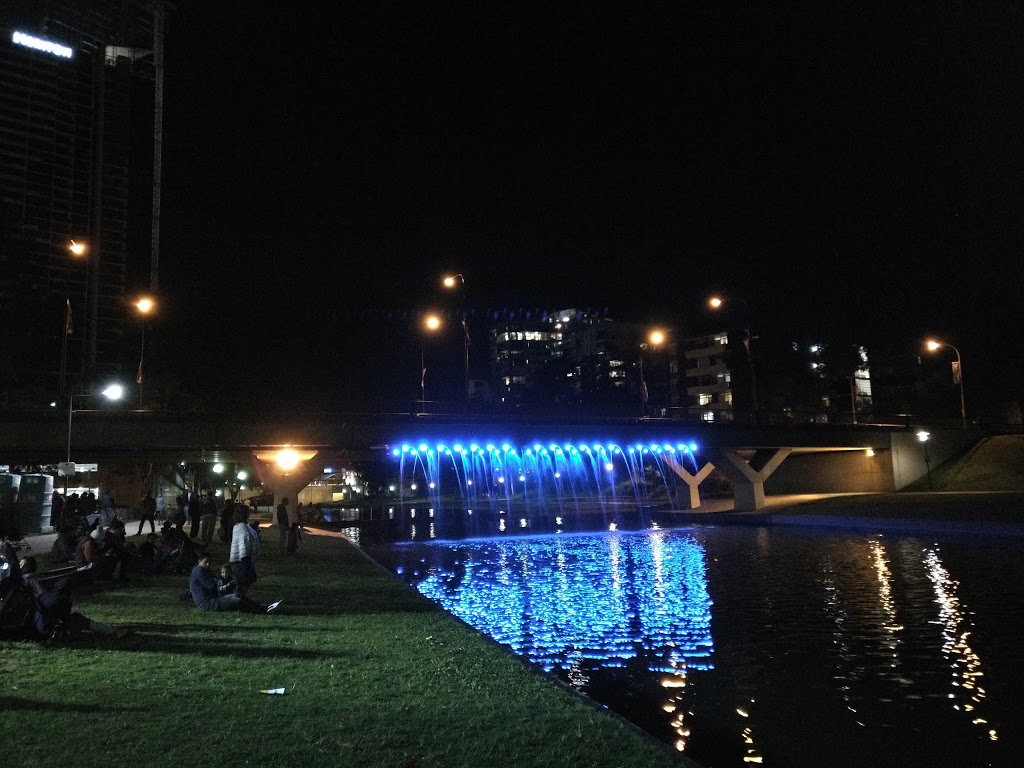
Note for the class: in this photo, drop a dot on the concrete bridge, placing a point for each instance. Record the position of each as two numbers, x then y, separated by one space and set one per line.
783 457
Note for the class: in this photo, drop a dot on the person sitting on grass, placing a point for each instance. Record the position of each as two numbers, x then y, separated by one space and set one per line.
207 594
54 620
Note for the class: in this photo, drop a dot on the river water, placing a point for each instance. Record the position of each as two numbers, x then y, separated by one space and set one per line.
750 645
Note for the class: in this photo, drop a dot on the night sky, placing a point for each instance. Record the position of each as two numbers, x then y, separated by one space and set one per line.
850 173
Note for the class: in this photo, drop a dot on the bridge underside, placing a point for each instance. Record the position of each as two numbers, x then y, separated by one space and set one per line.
756 460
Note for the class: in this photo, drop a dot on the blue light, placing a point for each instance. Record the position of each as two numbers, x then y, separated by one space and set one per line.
505 447
405 447
490 447
537 447
474 447
423 447
395 452
693 446
440 447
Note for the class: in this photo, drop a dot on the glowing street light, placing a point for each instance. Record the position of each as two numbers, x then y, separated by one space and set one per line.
958 373
654 340
110 392
717 302
451 282
145 306
432 324
77 248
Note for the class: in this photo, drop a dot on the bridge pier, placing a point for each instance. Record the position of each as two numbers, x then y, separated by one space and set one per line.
290 482
748 476
692 481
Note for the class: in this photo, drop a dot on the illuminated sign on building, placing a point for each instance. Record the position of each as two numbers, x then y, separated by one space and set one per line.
47 46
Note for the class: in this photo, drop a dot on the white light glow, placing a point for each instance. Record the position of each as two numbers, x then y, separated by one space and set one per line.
46 46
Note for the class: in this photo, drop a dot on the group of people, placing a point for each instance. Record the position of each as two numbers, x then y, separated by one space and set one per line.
227 591
99 551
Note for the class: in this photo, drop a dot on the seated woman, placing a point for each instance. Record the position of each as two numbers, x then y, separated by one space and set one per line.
209 594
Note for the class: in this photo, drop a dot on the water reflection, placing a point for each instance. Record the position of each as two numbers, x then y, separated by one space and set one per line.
966 692
826 648
577 605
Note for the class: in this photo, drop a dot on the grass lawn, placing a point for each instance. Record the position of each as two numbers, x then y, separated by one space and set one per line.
375 676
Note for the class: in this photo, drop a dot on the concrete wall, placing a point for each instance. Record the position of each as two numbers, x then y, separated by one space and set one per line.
833 472
911 458
907 460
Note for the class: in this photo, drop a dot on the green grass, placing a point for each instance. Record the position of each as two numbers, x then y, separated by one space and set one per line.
375 676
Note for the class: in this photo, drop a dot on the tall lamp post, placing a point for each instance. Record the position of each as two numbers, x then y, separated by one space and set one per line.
78 251
717 302
431 324
958 373
451 282
111 392
654 340
145 307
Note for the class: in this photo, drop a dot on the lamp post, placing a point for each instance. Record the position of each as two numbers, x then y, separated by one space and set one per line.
958 373
78 251
451 282
654 339
144 306
111 392
431 323
716 302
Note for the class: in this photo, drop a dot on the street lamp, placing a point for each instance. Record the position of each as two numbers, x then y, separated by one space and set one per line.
654 339
111 392
451 282
958 373
431 324
78 250
717 302
145 306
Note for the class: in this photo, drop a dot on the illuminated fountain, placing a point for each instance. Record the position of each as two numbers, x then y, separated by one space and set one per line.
492 487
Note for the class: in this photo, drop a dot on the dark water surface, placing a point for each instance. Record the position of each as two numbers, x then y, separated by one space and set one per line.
776 647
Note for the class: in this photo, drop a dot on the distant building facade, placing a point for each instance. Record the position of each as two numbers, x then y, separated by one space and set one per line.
68 75
565 357
709 394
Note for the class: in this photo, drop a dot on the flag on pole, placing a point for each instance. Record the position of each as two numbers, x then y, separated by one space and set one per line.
69 327
956 372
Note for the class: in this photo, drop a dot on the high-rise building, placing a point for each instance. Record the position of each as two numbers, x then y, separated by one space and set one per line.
71 73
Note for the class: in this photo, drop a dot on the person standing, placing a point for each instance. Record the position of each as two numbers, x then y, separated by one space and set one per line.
284 522
147 511
207 517
244 548
194 514
179 514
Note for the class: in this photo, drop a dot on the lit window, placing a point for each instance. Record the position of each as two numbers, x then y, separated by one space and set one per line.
704 400
707 416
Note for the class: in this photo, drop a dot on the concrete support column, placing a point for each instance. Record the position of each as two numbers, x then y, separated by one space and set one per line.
748 476
692 481
289 483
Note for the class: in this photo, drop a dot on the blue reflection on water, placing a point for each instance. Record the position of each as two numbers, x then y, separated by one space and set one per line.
558 601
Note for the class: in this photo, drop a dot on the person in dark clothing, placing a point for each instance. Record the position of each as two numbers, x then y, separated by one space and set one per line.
147 511
194 513
227 520
209 593
54 618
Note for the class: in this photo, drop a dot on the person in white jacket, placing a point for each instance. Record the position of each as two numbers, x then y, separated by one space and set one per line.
245 545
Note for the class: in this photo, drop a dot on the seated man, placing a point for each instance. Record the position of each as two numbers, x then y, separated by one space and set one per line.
208 595
53 618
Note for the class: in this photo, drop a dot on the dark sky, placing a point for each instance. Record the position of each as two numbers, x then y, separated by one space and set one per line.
846 171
